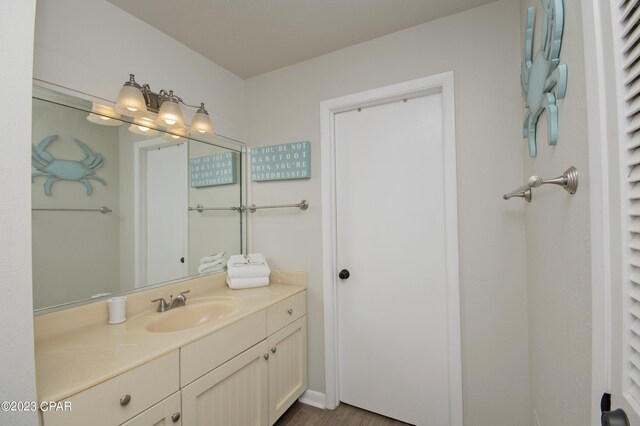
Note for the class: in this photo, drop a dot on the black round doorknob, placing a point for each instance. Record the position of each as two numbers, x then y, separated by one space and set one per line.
344 274
182 260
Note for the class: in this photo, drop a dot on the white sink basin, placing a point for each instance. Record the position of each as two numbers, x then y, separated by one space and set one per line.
195 313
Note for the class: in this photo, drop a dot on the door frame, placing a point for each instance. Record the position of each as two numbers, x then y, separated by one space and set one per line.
440 83
140 206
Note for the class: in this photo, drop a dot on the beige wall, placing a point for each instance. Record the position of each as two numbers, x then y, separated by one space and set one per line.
482 47
558 250
17 369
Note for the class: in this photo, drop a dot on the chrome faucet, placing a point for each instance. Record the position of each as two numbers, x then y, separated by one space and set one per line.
180 300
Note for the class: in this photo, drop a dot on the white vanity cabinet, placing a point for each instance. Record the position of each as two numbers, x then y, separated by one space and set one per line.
257 386
119 399
247 373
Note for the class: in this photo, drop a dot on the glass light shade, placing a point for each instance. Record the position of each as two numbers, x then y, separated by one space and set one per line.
104 115
170 114
176 134
131 101
143 126
201 123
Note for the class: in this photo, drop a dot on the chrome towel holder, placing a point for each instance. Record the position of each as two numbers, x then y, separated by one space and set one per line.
302 205
568 181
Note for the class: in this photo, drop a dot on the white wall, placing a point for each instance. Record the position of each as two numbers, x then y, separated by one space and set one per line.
482 47
92 46
558 250
17 368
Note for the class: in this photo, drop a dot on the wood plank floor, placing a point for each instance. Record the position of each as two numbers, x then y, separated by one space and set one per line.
305 415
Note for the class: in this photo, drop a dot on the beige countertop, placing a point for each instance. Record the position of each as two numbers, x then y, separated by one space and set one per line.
76 349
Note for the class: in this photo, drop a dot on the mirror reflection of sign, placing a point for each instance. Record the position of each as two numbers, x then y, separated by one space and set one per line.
281 162
212 170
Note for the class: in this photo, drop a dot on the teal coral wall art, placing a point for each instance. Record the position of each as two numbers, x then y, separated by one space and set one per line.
543 78
55 170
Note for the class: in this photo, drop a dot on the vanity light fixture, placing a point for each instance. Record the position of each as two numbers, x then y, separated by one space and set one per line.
104 115
137 100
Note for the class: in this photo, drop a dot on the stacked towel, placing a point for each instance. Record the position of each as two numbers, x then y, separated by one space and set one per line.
212 263
247 271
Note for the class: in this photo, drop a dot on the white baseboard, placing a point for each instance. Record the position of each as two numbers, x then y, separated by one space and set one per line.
313 398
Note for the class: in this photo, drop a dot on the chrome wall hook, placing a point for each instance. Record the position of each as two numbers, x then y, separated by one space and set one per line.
568 181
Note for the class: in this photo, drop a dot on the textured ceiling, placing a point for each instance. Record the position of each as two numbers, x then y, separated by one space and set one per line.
251 37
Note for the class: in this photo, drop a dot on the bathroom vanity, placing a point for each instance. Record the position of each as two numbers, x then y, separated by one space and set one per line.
229 357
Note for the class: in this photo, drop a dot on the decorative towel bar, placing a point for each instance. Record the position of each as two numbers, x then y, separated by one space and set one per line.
103 210
568 181
200 208
302 205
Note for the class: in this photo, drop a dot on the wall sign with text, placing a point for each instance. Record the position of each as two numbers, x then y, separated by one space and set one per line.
213 170
281 162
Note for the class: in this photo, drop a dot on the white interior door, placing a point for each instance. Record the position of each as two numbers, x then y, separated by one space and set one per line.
392 310
166 183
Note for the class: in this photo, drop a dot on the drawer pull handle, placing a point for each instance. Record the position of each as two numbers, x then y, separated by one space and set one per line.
175 417
125 400
265 356
273 350
290 311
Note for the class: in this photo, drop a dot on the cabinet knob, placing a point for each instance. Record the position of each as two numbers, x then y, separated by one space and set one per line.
175 417
265 356
273 350
125 400
290 311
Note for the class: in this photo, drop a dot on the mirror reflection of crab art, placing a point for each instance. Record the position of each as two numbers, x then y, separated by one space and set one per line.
544 73
55 169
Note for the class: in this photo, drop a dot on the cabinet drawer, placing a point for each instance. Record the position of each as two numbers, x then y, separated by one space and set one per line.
283 313
100 405
166 412
202 356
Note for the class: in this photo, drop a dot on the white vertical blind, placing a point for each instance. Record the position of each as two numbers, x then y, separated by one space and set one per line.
629 18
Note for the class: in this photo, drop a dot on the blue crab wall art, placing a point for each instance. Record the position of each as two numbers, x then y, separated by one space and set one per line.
541 75
55 170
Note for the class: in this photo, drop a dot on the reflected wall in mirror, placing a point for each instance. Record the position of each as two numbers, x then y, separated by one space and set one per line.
145 180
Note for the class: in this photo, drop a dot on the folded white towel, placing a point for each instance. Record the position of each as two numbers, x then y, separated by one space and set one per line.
237 260
208 268
222 261
239 283
212 257
256 259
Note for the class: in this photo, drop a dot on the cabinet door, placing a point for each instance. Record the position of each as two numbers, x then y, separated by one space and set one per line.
164 413
287 367
234 394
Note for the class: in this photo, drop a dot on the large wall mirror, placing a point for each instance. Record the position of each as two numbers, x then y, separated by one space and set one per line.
118 206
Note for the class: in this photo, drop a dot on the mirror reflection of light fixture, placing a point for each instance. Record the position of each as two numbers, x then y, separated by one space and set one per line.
135 100
104 115
143 126
176 134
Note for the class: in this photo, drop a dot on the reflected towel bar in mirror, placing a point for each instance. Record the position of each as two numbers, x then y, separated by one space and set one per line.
103 210
568 181
200 208
302 205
